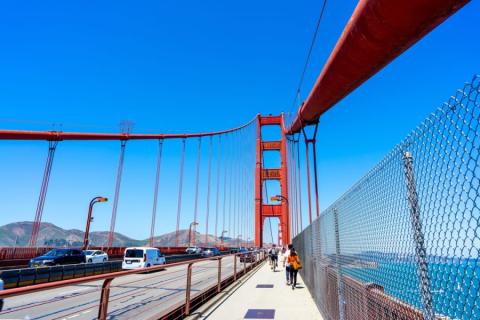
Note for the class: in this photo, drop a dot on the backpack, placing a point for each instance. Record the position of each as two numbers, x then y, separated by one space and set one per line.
296 264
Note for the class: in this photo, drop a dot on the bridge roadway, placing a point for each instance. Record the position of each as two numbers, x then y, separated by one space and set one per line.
137 296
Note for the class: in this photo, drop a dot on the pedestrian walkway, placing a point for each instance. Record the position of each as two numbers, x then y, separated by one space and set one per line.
264 295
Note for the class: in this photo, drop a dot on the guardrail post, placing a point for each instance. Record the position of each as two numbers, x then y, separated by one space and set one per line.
244 264
219 285
418 237
188 289
234 267
341 301
103 307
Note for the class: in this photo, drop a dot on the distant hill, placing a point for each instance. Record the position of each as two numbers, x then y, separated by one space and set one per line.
52 235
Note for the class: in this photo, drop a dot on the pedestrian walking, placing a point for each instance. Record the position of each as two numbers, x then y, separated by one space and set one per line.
295 265
286 264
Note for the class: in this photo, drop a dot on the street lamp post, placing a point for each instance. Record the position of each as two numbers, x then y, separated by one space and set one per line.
238 240
190 232
89 219
280 198
223 232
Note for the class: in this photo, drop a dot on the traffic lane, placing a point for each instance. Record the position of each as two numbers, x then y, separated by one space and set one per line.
53 303
82 300
158 300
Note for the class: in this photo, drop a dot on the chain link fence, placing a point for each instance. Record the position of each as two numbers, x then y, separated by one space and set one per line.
403 243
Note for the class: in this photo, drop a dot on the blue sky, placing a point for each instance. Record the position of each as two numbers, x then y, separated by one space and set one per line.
186 67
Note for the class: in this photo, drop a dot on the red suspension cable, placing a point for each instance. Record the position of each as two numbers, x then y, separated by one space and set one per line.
225 192
155 192
52 146
232 159
208 189
180 189
217 189
315 178
111 234
307 156
195 206
299 187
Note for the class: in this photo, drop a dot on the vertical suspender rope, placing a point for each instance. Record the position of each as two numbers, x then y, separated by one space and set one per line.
290 190
307 159
117 193
236 204
239 198
245 205
291 198
52 146
242 206
155 192
217 190
295 187
315 180
235 179
195 205
307 142
232 158
209 174
180 187
224 189
295 183
299 186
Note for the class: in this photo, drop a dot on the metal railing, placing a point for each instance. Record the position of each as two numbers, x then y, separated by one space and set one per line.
22 253
108 278
403 243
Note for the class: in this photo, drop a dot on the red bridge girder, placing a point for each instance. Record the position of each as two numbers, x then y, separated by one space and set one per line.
377 33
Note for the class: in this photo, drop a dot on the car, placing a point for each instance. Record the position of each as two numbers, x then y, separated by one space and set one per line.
1 300
248 257
95 256
142 257
234 250
193 250
60 256
210 252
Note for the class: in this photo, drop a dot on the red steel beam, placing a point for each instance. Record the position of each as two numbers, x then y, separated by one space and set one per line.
60 135
377 33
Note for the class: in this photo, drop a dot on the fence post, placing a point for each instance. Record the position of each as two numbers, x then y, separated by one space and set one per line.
244 264
234 267
103 307
188 289
418 237
341 302
219 285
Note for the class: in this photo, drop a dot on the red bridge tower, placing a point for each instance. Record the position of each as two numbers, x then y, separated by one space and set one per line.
263 210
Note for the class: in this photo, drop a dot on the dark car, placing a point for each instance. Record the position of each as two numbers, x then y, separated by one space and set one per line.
58 257
247 256
234 250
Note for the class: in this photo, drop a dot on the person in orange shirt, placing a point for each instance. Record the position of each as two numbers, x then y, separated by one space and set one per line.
295 265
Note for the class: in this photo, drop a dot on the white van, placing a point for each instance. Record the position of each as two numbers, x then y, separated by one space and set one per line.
142 257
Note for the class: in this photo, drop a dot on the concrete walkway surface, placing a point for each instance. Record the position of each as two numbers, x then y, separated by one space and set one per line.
246 301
